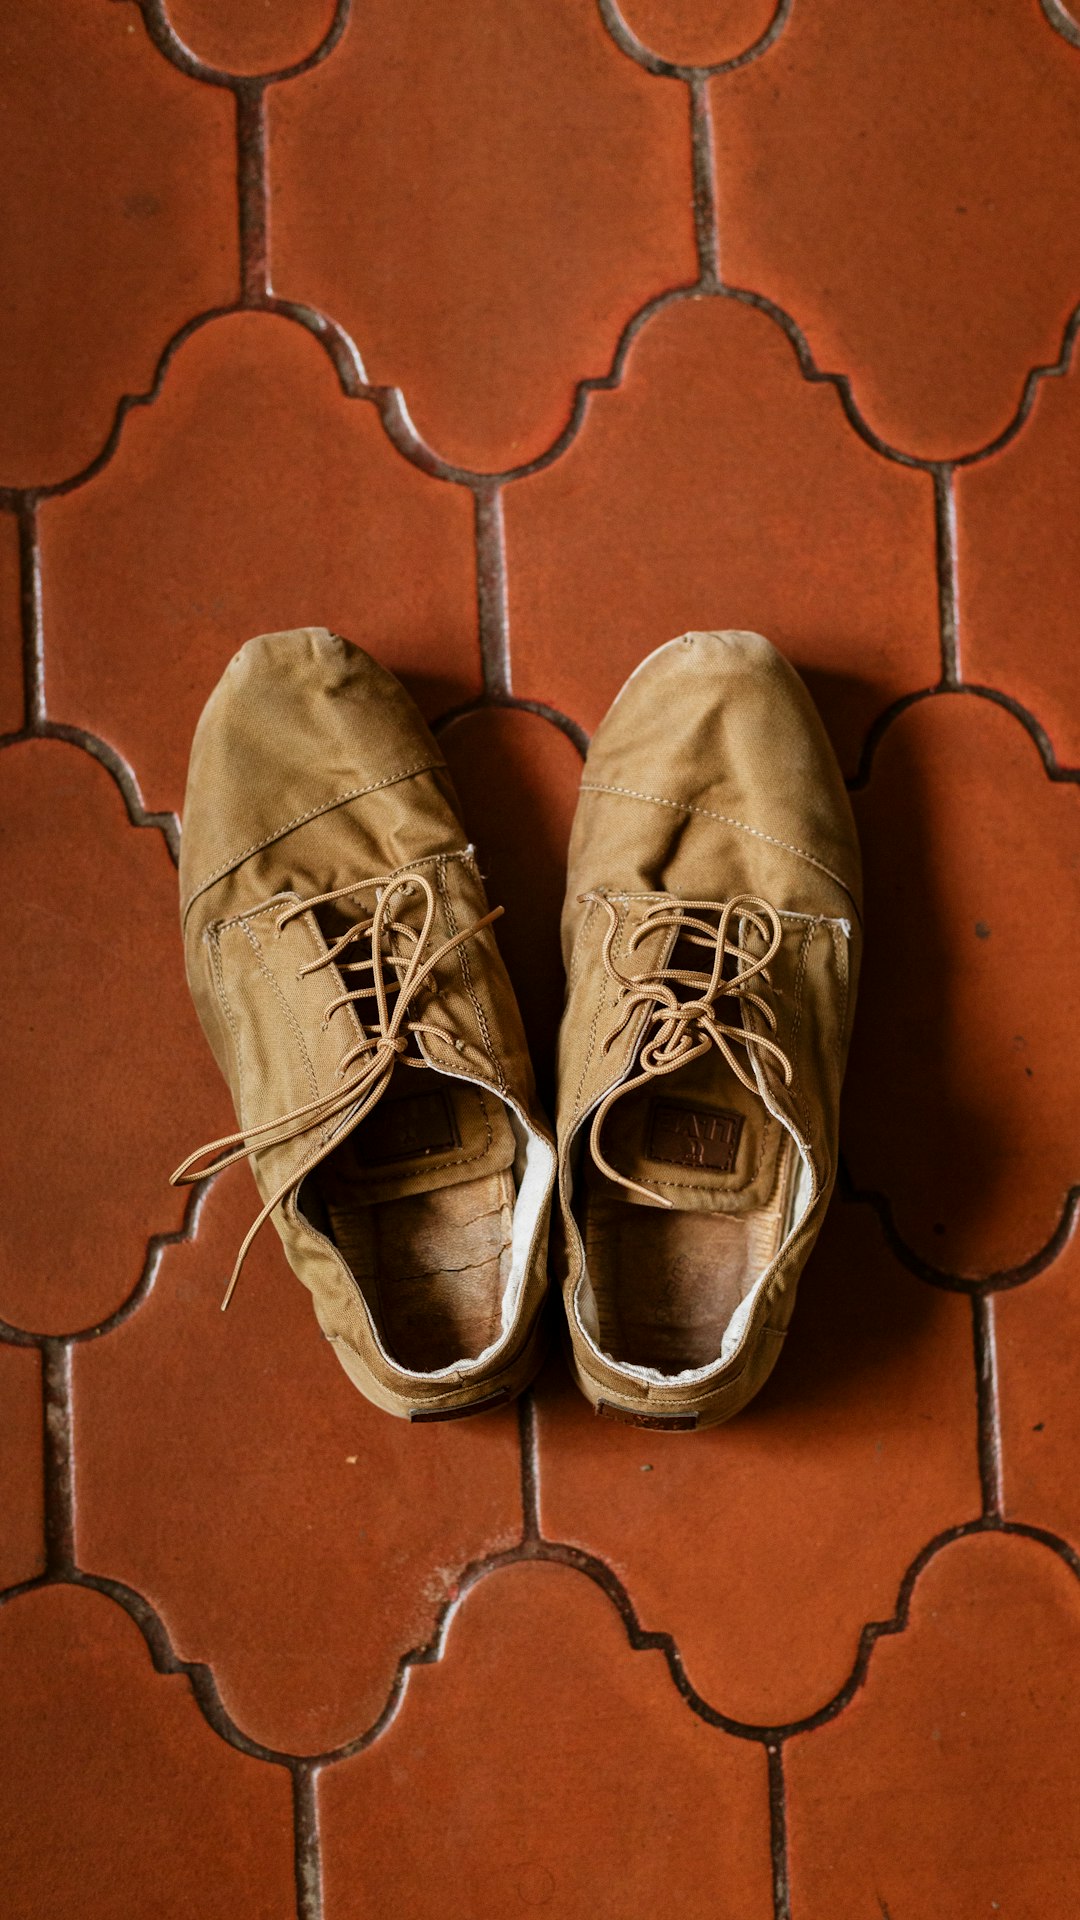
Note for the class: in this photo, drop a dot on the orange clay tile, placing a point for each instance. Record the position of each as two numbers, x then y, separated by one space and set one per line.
22 1536
252 496
811 1491
893 178
116 1798
499 205
119 224
291 1535
1037 1327
1018 557
531 771
251 36
508 189
951 1782
961 1104
717 488
108 1077
543 1764
11 660
697 32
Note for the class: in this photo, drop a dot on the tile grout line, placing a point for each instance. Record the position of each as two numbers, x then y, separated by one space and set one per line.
706 225
156 1247
1059 17
58 1458
517 703
204 1686
984 1334
530 1467
33 633
945 561
778 1837
491 597
251 191
306 1841
1004 1279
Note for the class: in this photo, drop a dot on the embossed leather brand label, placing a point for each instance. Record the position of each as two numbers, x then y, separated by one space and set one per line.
414 1124
705 1137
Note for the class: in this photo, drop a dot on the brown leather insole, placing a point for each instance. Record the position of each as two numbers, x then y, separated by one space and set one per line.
420 1201
667 1283
668 1279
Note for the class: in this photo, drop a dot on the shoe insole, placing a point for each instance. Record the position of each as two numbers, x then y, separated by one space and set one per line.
420 1201
667 1280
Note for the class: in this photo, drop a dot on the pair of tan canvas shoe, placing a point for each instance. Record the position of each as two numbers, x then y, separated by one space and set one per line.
340 951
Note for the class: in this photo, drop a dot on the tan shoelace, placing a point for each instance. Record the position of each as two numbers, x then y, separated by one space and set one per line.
682 1030
384 1041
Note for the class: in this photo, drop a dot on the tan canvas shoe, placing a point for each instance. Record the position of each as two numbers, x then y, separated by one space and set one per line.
711 936
340 954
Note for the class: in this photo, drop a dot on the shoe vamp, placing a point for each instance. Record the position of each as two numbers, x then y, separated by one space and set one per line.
713 744
299 725
811 994
279 1048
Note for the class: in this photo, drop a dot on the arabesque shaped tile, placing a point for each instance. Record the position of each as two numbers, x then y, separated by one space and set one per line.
252 496
11 658
542 1763
100 1040
697 33
962 1104
861 1447
517 777
956 1767
1037 1326
119 200
1018 564
482 198
116 1799
22 1496
894 179
718 488
252 36
292 1536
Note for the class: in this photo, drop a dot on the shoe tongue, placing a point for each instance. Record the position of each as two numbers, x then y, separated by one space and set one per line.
698 1138
428 1131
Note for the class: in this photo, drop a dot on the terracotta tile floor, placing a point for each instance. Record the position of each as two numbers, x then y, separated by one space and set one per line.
513 340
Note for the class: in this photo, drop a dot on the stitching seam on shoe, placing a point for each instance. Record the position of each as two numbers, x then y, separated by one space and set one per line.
726 819
328 806
840 948
593 1024
212 934
575 956
466 974
783 913
800 982
288 893
298 1033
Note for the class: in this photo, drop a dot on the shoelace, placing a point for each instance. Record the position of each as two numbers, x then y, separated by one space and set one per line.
384 1041
682 1030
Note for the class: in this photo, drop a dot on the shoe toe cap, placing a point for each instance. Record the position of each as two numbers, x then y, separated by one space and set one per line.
298 723
721 723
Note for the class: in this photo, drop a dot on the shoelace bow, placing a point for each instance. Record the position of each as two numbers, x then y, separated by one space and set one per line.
681 1030
384 1041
